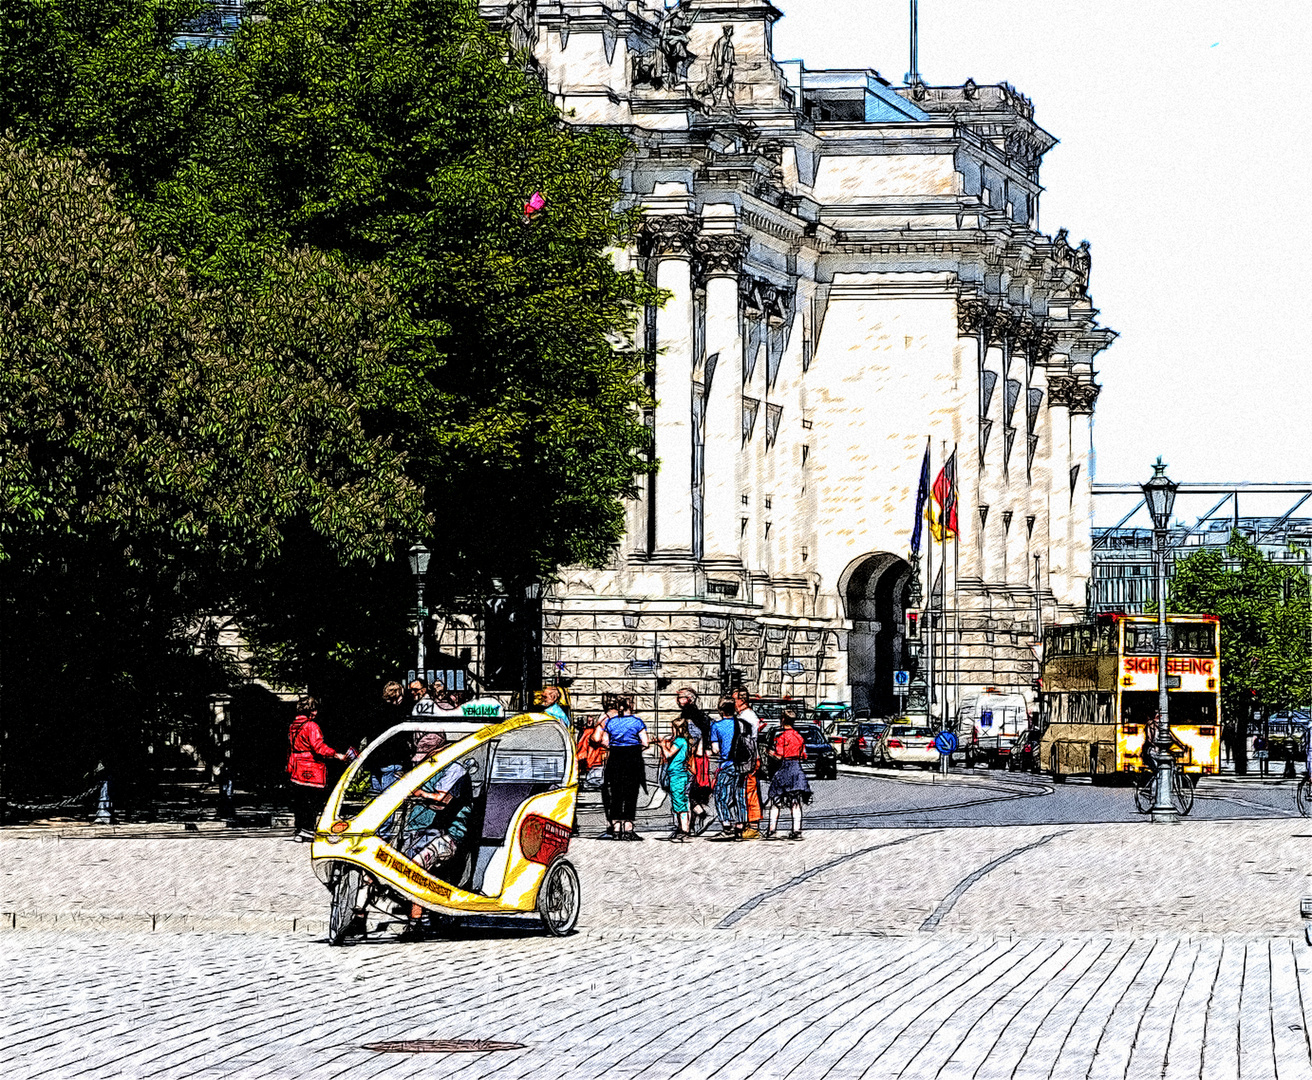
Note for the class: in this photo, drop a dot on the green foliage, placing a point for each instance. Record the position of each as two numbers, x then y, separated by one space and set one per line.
135 408
1264 611
157 442
270 312
394 135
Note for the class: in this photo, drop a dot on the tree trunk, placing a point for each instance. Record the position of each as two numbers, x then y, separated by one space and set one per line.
1241 745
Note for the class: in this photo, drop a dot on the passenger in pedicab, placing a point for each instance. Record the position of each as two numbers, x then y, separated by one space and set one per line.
439 825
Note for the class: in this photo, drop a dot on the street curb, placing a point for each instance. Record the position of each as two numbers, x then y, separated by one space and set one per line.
933 776
135 922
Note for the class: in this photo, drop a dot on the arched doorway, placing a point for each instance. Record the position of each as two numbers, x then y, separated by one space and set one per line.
876 598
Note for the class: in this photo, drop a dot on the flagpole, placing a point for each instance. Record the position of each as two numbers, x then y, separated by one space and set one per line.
945 519
929 606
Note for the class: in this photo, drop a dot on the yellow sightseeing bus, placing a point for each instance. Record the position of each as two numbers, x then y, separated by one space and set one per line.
1099 691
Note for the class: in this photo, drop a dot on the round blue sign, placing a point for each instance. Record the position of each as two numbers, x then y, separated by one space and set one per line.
945 742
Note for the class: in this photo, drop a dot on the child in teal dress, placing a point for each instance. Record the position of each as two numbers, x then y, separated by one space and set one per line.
676 748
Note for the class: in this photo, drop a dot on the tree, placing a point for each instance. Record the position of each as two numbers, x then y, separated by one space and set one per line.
396 136
343 183
156 440
1263 605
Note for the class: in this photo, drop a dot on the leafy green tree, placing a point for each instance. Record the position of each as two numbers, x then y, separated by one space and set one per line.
156 440
344 178
395 135
1263 605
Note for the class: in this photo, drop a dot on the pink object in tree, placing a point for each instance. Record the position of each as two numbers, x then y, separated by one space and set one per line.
536 202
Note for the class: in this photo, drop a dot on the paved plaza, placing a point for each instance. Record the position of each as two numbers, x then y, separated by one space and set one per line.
1063 949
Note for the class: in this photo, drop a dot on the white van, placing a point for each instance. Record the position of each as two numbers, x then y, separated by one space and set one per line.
989 722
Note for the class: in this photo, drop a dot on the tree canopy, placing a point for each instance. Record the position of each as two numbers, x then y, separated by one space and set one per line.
273 311
1263 605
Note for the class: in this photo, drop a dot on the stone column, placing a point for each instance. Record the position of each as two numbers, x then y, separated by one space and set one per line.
720 257
1082 396
993 482
1060 384
667 242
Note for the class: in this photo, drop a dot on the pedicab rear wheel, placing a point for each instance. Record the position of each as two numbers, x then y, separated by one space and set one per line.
560 898
341 912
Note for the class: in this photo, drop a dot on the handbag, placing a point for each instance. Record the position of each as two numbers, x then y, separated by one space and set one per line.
701 771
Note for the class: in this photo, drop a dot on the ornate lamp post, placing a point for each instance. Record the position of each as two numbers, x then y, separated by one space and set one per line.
419 556
1159 493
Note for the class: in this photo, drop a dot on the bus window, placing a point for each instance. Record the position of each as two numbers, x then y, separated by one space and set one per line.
1140 640
1193 640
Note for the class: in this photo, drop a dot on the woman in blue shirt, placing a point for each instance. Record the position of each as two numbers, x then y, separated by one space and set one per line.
626 738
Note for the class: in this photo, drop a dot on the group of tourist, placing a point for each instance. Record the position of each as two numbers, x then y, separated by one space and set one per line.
711 766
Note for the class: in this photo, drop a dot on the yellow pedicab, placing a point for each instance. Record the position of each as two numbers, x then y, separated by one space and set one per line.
475 823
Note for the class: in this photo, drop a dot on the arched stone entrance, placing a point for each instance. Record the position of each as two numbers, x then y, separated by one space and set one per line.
875 594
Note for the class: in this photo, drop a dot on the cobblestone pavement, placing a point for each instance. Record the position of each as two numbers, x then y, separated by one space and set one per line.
1201 877
1065 950
657 1005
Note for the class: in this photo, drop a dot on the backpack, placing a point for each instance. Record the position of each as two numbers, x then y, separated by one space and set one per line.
743 752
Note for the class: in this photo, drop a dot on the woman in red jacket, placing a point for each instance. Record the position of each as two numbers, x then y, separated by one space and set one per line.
305 766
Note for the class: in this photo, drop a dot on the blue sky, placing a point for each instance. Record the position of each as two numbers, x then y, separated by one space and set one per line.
1184 160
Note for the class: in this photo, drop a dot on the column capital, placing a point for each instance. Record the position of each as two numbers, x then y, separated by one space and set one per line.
719 254
1069 391
1083 395
667 234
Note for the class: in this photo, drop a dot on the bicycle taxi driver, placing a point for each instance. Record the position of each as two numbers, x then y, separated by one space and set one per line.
440 821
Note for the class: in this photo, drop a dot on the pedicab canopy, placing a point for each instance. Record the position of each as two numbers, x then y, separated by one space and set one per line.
505 792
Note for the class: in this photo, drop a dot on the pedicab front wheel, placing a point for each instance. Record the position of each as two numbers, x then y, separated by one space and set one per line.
559 898
341 912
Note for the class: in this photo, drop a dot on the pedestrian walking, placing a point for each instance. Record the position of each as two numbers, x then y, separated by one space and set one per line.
700 792
1261 752
625 738
676 749
751 786
729 786
1228 740
307 772
788 787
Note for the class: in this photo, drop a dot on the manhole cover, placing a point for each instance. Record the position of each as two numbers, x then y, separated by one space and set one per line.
441 1046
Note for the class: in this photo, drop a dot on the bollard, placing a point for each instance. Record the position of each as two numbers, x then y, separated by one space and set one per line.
104 812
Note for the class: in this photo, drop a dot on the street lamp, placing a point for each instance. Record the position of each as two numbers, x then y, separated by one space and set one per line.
1159 494
419 556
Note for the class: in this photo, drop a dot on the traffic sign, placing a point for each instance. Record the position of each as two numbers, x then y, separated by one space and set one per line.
945 742
901 678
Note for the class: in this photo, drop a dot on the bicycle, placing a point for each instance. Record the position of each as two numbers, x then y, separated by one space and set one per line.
1303 796
1182 791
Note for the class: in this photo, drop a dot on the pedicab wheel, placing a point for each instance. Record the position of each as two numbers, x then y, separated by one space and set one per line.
341 913
1303 797
559 898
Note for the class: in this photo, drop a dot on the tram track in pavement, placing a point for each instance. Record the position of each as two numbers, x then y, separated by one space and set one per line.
1009 791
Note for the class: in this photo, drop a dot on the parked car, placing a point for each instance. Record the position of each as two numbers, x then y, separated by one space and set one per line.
907 744
1024 753
821 758
860 747
988 723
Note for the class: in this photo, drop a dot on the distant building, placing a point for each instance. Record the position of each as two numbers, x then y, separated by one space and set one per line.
1123 568
854 271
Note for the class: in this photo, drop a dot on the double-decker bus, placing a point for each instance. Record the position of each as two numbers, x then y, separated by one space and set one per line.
1099 692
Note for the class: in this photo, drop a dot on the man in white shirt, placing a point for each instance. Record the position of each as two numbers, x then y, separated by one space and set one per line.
744 712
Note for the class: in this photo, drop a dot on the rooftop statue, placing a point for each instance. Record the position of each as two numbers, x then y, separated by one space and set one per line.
675 32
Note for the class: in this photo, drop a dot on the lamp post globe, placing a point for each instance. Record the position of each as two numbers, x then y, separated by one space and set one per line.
1159 494
419 556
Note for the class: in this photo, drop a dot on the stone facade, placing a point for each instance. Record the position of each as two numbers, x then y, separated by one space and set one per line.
853 271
